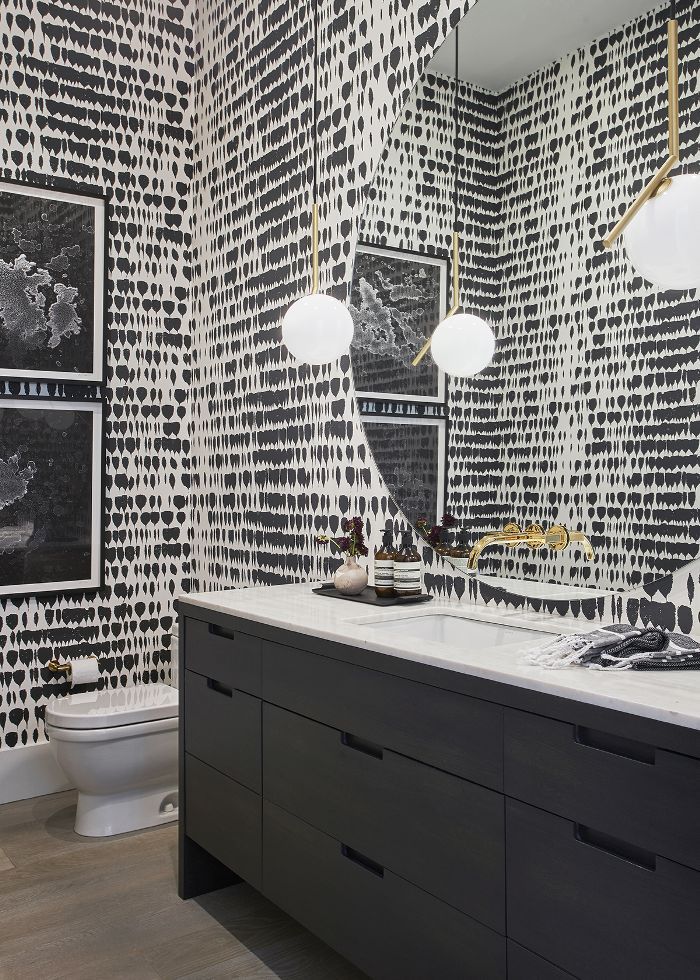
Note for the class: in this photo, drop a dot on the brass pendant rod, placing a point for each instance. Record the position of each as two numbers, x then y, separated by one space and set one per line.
314 210
455 299
455 201
455 274
661 175
314 247
673 101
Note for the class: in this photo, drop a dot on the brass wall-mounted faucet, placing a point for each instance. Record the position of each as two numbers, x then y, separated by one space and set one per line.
557 537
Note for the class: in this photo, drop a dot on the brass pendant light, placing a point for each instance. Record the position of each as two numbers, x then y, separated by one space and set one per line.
462 344
660 181
662 227
317 329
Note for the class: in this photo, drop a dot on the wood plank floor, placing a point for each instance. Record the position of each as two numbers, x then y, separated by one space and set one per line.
107 909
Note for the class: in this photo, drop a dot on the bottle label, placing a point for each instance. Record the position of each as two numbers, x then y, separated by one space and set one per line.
384 573
407 576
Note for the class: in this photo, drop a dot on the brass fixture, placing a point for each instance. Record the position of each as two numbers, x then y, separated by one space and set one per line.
58 668
314 248
557 537
455 299
660 181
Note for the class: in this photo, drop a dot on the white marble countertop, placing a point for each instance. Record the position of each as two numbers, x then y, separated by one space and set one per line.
670 696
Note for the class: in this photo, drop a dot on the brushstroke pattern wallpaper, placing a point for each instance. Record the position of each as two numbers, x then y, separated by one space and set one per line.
196 119
95 96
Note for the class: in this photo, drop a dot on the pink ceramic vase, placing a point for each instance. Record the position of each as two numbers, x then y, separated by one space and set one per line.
351 578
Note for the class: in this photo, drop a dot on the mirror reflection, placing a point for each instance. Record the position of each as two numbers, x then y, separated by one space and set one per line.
571 459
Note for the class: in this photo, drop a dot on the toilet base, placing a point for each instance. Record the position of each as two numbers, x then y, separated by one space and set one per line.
121 813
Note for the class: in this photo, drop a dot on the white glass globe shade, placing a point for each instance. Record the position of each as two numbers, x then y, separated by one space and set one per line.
663 240
463 345
317 329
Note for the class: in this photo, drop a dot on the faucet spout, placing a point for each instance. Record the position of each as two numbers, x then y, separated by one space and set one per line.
578 537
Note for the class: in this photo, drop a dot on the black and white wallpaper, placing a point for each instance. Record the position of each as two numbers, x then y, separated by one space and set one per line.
95 98
195 119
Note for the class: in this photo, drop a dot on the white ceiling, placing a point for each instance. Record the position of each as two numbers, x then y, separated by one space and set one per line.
501 41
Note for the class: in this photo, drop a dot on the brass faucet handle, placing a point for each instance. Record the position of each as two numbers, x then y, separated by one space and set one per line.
512 528
557 537
535 536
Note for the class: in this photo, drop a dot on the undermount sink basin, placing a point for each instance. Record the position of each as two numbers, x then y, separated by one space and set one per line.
457 631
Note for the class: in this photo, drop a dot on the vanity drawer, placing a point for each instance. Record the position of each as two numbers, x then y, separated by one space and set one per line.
224 818
524 965
459 734
223 729
625 788
388 927
438 831
226 655
597 906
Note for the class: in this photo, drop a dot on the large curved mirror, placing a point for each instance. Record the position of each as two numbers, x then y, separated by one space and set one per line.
588 418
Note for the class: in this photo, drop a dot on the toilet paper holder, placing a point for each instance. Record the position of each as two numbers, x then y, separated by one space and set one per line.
56 667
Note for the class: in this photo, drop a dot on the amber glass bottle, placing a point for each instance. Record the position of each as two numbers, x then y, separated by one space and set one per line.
384 566
461 551
408 568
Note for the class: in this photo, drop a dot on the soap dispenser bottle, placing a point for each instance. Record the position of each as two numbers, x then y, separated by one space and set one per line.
384 566
407 568
460 553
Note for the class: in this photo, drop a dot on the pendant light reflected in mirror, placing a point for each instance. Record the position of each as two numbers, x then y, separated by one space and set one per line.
462 344
663 240
662 227
317 329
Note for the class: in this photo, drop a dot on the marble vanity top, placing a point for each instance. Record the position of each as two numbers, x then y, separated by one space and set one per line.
670 696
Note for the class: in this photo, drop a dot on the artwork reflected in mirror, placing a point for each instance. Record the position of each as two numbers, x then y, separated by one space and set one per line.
588 416
396 298
51 284
50 496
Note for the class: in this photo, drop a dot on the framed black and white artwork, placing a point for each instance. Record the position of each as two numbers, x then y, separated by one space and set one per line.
397 300
51 477
410 455
52 272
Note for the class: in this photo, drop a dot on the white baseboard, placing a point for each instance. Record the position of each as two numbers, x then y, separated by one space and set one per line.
30 770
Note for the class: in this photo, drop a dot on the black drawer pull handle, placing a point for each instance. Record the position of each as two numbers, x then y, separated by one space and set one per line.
362 745
367 863
222 632
615 847
628 748
219 687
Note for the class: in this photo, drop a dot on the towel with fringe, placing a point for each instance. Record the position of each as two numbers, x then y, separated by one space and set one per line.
619 647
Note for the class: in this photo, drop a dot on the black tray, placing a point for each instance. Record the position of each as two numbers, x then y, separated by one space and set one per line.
370 597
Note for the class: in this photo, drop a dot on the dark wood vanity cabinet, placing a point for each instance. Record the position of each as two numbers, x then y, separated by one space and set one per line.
428 824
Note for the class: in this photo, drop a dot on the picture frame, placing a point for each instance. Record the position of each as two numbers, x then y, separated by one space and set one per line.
391 329
51 496
53 255
410 454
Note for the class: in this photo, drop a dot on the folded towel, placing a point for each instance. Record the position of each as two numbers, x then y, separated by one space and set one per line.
619 647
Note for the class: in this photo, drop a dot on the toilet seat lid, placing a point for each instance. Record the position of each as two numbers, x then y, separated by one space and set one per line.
109 709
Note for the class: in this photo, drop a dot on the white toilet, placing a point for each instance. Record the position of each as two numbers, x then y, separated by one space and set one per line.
120 750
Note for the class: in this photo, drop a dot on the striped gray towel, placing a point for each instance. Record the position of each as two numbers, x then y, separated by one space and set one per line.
620 647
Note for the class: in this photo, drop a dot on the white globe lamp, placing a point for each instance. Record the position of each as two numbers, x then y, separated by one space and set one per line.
317 329
663 240
463 345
